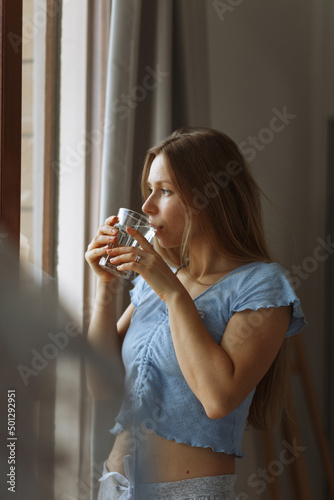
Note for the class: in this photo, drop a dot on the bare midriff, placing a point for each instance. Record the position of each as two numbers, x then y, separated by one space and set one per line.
162 460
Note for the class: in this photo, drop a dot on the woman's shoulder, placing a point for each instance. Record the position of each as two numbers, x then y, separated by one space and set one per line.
255 272
265 277
263 284
254 283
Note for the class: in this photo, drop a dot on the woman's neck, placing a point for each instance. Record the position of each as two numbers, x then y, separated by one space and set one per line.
204 263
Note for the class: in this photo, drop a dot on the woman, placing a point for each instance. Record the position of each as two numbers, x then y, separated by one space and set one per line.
207 324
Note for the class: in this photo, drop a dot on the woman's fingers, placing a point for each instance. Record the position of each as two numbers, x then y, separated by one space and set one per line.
95 253
128 253
141 239
119 255
107 229
113 219
106 241
102 240
106 237
105 234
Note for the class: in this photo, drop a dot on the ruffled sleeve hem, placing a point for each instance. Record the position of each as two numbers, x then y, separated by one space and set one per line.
297 321
269 286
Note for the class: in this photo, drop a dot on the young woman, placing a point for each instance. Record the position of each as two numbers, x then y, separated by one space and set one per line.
202 345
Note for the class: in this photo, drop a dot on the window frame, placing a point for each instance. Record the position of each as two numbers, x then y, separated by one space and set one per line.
10 112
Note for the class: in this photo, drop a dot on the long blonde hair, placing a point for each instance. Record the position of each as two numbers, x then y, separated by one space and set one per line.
218 190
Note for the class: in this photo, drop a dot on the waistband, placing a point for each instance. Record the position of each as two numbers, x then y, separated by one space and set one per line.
199 488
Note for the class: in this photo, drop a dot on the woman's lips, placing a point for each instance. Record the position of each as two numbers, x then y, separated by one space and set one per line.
156 227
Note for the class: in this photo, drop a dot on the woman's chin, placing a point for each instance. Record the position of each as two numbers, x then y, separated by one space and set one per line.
164 243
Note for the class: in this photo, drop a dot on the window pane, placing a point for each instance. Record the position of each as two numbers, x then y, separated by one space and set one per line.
26 240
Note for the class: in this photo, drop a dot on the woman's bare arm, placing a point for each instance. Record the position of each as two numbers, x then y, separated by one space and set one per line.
105 335
221 376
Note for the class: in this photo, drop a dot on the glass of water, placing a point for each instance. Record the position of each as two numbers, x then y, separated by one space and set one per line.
128 218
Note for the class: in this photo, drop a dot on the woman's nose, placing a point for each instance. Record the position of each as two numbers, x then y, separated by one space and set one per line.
149 206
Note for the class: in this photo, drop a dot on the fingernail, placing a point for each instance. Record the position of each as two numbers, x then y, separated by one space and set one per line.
114 231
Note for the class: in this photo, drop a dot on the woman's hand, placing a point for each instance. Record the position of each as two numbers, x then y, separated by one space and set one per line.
106 235
148 263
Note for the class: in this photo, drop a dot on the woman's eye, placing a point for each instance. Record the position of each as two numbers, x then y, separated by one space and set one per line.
165 192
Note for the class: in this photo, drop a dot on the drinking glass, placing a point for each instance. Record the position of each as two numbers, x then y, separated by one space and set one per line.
128 218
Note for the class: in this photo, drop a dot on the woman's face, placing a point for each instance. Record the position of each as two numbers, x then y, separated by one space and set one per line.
164 206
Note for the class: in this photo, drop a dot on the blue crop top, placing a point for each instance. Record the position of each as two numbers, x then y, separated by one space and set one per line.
157 395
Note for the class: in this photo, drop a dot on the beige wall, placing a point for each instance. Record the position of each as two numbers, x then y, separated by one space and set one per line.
275 55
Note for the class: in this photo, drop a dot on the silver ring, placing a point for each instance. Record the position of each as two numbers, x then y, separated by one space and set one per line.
138 258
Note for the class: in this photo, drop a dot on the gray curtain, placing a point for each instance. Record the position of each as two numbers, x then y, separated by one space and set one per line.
157 82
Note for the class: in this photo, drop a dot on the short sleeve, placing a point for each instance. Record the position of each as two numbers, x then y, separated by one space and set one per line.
137 290
269 285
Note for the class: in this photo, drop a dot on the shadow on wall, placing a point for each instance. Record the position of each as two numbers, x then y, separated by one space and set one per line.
28 353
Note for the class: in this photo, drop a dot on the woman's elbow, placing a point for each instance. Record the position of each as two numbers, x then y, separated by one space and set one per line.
219 408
